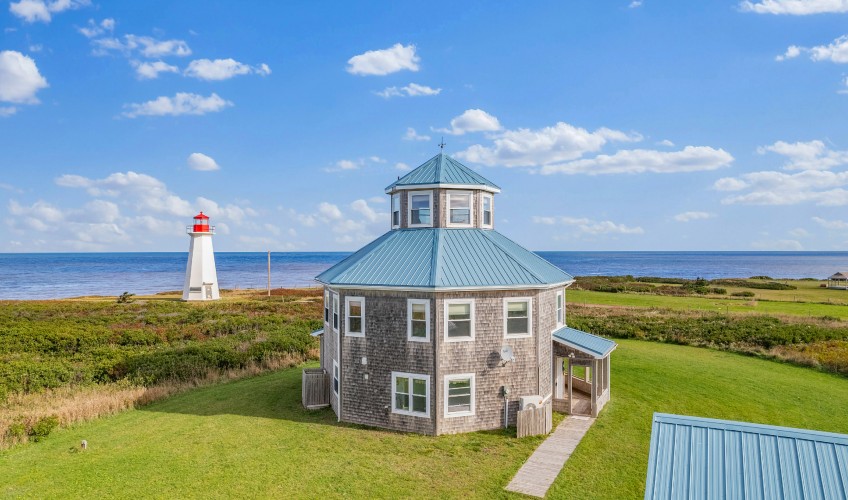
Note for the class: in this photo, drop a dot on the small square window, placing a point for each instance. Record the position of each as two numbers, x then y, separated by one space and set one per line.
517 317
459 319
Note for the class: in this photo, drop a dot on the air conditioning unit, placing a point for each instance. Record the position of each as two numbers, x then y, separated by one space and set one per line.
530 402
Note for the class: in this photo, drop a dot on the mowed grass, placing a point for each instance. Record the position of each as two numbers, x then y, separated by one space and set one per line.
252 439
774 306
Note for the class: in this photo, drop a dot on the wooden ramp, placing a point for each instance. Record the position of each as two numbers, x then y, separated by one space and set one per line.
541 469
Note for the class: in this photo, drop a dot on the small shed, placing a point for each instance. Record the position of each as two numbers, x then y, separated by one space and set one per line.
693 457
838 281
582 371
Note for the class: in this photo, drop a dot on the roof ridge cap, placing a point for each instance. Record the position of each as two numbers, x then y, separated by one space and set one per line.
505 251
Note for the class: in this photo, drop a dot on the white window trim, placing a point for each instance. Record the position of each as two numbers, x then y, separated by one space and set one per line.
409 196
335 312
426 378
459 301
339 378
327 307
409 303
529 301
560 294
461 376
470 195
395 196
491 199
348 333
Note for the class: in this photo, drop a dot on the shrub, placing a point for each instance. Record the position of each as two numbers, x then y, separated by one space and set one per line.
43 427
768 285
743 293
718 291
125 298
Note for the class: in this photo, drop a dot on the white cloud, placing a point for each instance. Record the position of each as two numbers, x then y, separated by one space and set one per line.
146 46
820 187
346 164
182 103
472 120
19 79
41 10
792 52
830 224
151 70
411 90
402 166
812 155
222 69
37 47
199 161
361 206
412 135
349 164
794 7
799 232
636 161
6 111
588 226
635 4
383 62
528 148
666 142
93 29
690 216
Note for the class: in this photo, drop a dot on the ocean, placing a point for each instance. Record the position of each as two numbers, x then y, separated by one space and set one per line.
58 275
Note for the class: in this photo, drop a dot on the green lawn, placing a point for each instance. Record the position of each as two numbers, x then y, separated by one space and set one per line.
251 438
712 303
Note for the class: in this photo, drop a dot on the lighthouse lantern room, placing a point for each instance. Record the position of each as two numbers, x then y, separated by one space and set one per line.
201 281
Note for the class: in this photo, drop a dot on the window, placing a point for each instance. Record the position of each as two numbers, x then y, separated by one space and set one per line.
335 378
395 211
459 208
355 316
418 320
326 307
517 314
487 210
420 208
459 391
335 312
459 320
411 394
560 308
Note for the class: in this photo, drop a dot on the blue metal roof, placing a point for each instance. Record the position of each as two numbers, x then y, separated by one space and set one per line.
444 258
318 332
597 346
694 457
442 169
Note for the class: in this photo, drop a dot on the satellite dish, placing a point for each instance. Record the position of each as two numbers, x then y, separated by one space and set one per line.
507 354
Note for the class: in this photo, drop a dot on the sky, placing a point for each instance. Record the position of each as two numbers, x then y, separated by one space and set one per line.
609 125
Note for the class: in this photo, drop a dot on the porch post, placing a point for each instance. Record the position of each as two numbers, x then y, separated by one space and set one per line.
570 399
594 387
607 363
560 380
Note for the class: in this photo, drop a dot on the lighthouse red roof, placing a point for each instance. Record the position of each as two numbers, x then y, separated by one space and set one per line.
201 216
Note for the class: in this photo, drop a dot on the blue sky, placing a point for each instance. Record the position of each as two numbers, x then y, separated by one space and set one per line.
615 125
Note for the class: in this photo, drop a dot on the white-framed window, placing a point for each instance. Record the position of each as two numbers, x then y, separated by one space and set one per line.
487 210
460 211
411 394
459 320
354 316
336 384
395 210
560 308
327 307
518 317
418 320
420 209
336 312
459 395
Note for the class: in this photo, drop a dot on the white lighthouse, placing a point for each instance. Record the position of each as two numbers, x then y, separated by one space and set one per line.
201 281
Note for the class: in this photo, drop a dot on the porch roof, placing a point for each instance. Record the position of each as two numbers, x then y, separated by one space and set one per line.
840 276
592 345
317 332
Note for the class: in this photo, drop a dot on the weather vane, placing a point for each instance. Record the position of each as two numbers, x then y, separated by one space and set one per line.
442 144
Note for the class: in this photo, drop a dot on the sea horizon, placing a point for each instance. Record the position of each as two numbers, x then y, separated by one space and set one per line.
55 275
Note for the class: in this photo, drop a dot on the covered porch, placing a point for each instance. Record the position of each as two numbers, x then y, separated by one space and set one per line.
581 372
838 281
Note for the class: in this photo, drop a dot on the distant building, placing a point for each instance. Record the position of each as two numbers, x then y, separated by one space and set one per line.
838 281
201 280
442 323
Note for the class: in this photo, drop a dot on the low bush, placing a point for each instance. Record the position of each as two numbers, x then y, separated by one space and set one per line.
743 293
43 427
767 285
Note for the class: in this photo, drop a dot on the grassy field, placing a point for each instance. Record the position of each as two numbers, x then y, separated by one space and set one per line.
251 437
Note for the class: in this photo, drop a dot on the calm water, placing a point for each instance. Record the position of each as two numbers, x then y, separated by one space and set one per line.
40 276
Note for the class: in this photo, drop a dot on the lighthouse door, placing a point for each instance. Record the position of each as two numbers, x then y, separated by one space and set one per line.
208 292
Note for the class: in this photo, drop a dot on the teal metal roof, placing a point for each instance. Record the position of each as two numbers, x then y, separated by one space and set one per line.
597 346
694 457
442 169
444 258
317 332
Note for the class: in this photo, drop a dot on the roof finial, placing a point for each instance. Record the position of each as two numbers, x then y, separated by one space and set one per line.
442 144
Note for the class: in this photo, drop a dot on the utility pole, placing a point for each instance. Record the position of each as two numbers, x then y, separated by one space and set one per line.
269 273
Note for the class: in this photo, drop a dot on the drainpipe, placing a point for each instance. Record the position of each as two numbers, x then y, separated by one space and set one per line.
505 394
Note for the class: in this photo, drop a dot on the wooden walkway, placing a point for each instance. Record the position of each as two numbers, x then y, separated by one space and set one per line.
541 469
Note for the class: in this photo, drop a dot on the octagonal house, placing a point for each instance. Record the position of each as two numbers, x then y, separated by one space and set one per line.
415 322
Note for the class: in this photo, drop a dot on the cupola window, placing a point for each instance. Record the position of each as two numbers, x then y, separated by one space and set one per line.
487 210
420 209
459 208
395 211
